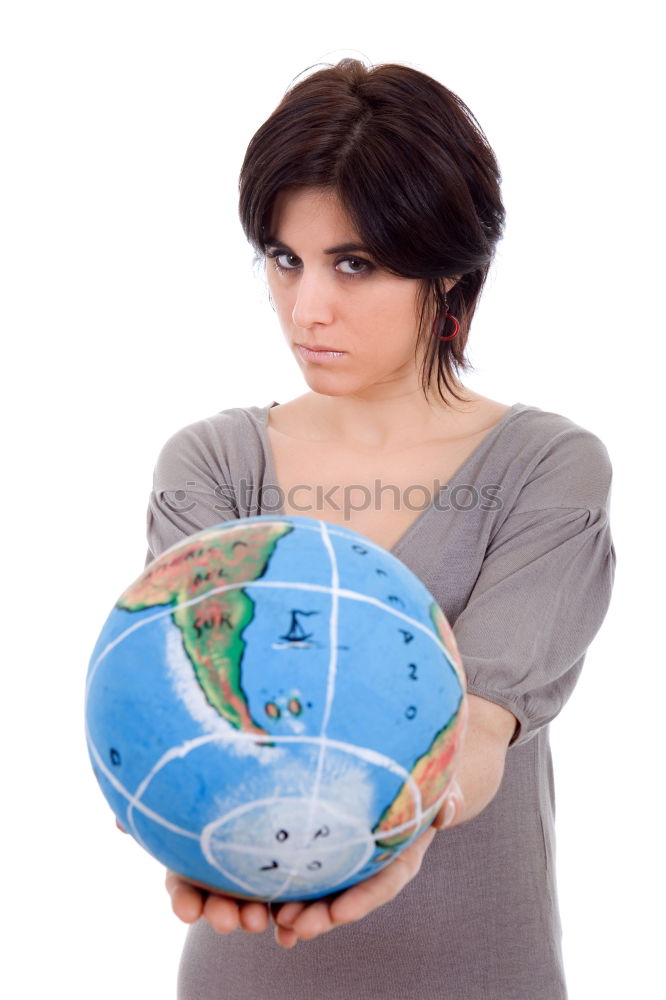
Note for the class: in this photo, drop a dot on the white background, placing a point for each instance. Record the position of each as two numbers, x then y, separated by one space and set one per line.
129 308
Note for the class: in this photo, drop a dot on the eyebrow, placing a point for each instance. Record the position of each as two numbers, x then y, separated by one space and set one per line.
340 248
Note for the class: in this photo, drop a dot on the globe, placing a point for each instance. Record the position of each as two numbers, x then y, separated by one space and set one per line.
274 708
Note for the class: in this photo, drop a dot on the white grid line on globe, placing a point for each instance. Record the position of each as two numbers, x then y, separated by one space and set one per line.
125 792
239 523
350 595
366 754
330 688
245 851
183 749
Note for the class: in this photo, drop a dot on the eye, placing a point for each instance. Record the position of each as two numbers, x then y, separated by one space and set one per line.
274 255
365 265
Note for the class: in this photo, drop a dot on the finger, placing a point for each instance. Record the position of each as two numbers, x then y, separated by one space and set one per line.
222 913
186 899
120 827
284 935
379 889
452 808
254 917
287 913
314 919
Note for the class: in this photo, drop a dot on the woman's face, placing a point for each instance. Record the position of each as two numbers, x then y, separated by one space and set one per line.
340 300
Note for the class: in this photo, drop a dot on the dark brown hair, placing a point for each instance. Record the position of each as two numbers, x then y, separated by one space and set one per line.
412 169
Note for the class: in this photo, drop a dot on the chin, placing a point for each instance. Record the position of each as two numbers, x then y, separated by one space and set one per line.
327 387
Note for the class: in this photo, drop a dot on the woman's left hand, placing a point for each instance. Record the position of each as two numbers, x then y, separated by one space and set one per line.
306 920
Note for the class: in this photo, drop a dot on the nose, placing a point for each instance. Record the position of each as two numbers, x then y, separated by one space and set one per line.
314 300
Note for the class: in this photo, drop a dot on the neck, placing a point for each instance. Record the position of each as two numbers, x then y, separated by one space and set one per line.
388 423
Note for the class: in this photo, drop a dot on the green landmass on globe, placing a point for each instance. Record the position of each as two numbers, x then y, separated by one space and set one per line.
212 628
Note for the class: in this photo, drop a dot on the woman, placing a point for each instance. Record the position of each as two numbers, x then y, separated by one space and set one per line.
373 198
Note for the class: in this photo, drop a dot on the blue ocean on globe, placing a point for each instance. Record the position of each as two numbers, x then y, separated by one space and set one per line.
274 707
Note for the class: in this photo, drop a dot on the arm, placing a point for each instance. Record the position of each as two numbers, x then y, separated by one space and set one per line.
481 766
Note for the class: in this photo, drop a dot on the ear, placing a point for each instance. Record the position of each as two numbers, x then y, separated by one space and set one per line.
450 282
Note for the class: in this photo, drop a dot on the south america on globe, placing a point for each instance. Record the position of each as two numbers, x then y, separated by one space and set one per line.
275 707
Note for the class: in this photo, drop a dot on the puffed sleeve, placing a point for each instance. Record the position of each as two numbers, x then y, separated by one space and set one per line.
544 587
191 491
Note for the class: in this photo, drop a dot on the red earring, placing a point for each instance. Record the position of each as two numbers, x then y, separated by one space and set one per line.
451 335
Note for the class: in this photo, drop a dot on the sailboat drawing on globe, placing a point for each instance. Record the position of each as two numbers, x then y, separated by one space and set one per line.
296 637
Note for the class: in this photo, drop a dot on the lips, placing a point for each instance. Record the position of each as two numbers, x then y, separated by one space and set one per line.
320 347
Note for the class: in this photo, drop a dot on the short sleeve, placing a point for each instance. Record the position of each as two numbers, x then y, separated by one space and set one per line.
543 589
190 492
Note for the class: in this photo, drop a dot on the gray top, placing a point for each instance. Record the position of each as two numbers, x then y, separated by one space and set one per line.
517 550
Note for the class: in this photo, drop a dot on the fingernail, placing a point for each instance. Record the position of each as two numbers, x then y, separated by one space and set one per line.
282 943
449 813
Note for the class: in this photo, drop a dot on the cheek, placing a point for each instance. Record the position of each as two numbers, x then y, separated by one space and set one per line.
398 298
396 316
382 307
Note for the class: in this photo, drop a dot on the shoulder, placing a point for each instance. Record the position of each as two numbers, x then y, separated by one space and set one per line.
211 443
561 441
564 463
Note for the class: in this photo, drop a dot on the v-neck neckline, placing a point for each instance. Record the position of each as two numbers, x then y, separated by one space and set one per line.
427 511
